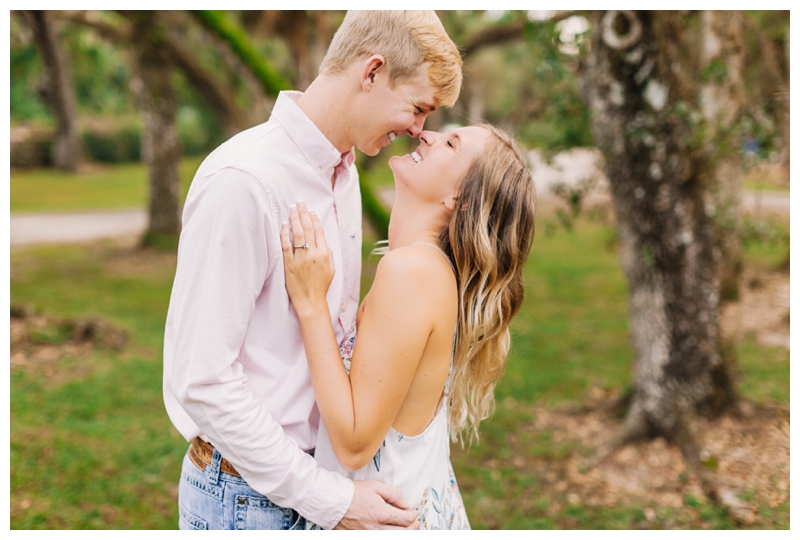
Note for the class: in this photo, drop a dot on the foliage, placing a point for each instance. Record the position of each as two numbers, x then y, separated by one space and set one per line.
198 132
101 74
99 71
120 141
539 94
530 83
229 31
26 68
120 145
764 231
373 208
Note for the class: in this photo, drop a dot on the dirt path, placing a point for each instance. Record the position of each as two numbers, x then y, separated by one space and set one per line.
75 227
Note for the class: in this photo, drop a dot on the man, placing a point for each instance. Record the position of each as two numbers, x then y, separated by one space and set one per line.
236 381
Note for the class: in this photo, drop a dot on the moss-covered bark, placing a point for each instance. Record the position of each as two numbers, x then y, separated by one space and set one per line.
57 90
641 85
160 145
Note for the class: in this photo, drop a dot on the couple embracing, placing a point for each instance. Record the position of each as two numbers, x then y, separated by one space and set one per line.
302 408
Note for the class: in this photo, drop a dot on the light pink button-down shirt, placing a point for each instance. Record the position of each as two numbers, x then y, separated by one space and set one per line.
235 370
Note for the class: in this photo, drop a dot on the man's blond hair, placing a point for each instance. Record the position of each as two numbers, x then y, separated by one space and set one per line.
407 40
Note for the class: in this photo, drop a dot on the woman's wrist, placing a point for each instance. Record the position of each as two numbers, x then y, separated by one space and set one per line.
309 310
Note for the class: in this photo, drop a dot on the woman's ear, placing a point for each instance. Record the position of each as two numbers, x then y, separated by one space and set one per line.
372 66
450 203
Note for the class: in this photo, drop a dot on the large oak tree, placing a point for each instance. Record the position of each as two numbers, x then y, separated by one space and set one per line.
642 84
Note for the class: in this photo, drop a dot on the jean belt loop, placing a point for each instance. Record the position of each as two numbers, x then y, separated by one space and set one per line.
213 469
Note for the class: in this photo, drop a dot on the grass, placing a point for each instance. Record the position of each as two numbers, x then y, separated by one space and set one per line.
766 369
766 177
572 333
756 185
572 330
95 449
108 187
101 188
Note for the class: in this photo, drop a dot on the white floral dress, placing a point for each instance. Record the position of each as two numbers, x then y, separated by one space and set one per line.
419 466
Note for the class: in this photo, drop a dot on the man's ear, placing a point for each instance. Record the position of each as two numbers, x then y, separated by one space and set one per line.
372 66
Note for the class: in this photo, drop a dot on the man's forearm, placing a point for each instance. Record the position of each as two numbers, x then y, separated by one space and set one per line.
269 460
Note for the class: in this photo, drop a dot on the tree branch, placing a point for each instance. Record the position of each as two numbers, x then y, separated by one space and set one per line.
503 33
769 54
107 31
237 39
216 94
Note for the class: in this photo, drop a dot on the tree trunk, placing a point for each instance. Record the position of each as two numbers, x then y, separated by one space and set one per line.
783 124
785 152
634 84
641 85
57 90
722 102
160 144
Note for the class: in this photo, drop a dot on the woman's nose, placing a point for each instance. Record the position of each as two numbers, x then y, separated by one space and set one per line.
427 137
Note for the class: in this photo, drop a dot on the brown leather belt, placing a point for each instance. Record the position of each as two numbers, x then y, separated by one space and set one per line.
200 453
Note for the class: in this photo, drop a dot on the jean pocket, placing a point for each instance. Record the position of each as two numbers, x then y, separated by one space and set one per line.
259 513
299 522
190 522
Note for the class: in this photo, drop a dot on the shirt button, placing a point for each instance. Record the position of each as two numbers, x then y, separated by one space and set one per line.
342 306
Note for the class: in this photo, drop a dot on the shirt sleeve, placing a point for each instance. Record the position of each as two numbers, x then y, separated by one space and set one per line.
223 262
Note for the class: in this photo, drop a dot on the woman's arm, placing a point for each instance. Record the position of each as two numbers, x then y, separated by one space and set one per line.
393 331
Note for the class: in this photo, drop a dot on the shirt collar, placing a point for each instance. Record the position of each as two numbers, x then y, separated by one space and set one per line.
347 159
315 147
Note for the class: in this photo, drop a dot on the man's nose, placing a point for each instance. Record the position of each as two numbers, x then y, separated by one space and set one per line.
416 127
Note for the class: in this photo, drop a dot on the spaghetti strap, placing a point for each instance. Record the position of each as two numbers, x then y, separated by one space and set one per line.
437 248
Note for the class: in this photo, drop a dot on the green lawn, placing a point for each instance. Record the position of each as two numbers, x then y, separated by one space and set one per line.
104 187
97 450
92 447
767 177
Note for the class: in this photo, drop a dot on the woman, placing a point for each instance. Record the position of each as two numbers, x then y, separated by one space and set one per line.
433 329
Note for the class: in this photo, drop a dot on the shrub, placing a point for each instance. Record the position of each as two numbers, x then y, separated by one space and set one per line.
113 146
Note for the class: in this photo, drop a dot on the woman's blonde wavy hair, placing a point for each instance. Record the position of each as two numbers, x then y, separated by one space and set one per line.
488 240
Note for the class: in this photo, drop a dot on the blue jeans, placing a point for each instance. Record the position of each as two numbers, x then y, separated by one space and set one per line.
211 499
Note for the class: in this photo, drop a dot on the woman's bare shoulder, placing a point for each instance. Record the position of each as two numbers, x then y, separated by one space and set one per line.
417 263
413 278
